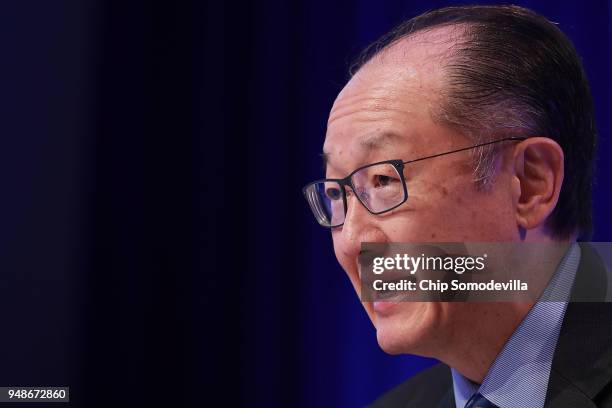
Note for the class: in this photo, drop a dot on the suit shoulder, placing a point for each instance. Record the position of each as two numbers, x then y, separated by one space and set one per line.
426 389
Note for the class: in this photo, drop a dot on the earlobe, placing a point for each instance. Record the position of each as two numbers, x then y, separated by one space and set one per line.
538 167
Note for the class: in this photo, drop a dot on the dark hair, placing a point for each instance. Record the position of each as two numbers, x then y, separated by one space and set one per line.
513 72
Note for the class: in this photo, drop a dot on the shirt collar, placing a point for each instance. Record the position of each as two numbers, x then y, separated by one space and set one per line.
519 375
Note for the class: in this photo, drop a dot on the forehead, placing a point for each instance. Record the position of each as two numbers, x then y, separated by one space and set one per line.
388 103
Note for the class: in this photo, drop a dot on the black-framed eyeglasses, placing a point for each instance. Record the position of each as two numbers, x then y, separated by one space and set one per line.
380 187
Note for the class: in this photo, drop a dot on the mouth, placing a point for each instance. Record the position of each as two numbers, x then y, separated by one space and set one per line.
374 287
385 307
387 296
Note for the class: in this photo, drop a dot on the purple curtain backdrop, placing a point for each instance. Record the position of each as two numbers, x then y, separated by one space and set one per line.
156 249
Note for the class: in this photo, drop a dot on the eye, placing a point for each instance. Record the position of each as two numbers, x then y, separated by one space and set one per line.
333 193
383 181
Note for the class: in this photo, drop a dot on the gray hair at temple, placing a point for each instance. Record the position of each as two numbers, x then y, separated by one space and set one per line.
512 72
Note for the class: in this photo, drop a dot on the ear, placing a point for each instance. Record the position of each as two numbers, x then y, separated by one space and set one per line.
538 172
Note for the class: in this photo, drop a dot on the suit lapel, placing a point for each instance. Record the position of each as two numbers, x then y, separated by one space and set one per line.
448 400
563 394
582 363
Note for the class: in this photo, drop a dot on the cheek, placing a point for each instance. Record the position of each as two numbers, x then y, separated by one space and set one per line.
453 216
478 216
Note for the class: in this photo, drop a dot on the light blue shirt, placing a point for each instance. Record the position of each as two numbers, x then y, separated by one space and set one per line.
519 375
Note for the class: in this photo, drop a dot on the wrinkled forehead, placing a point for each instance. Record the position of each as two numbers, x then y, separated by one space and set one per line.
386 108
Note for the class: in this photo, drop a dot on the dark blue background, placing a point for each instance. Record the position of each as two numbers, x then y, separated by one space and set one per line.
155 246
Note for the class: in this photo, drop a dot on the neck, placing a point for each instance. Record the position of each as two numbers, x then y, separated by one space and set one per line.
473 354
485 327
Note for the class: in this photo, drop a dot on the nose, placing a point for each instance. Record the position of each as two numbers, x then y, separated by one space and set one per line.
359 226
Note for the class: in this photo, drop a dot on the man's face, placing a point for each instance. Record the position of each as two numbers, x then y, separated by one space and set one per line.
384 113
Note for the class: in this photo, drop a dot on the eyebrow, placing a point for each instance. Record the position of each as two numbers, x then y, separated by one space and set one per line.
371 141
378 140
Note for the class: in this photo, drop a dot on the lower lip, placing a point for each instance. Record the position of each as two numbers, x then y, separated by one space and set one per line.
384 308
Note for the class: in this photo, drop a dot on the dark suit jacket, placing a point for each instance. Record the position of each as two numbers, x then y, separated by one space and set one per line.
581 373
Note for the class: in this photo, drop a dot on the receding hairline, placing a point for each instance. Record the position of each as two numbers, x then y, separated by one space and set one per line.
447 36
428 49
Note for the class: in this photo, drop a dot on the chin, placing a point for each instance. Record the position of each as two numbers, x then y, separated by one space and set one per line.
391 344
409 330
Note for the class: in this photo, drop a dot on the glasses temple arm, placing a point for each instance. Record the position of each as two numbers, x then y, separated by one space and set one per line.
465 148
